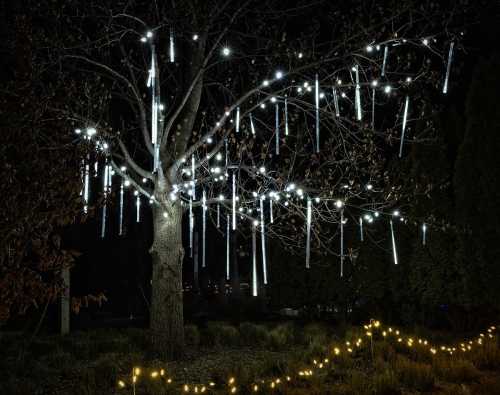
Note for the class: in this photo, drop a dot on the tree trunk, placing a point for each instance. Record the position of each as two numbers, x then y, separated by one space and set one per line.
166 320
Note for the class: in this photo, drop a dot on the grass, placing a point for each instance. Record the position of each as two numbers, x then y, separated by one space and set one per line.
91 362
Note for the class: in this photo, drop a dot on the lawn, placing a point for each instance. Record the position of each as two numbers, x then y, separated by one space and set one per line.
283 358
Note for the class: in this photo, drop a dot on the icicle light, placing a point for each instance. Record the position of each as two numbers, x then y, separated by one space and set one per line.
277 128
204 229
263 240
373 108
122 192
234 202
106 184
394 251
237 119
286 116
342 243
361 236
271 216
218 215
308 233
424 233
384 62
357 98
252 127
254 260
228 242
316 97
448 67
138 209
86 187
403 128
171 47
336 102
193 179
191 227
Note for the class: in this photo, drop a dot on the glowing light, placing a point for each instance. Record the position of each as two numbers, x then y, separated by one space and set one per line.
394 252
195 37
263 239
384 62
339 203
234 201
387 89
308 239
226 51
403 127
316 95
279 75
448 67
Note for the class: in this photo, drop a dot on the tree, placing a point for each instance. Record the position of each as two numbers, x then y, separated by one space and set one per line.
40 183
216 65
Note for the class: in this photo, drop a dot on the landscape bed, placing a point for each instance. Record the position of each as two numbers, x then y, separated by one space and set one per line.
285 358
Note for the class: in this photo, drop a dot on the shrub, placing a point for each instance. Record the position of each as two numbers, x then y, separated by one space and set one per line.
253 335
455 370
415 375
18 386
192 335
281 336
58 359
218 334
315 333
106 370
358 382
139 338
386 383
486 356
40 347
383 349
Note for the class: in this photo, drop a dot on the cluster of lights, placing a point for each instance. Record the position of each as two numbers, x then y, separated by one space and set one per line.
318 364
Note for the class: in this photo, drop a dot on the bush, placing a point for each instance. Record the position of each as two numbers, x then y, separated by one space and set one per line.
192 335
220 334
315 333
58 360
40 347
486 356
383 349
386 383
253 335
139 338
106 370
455 370
281 336
415 375
358 382
18 386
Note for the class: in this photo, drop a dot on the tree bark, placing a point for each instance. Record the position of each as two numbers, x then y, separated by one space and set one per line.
166 320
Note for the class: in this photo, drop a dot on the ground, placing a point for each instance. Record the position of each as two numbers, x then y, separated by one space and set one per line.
276 358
